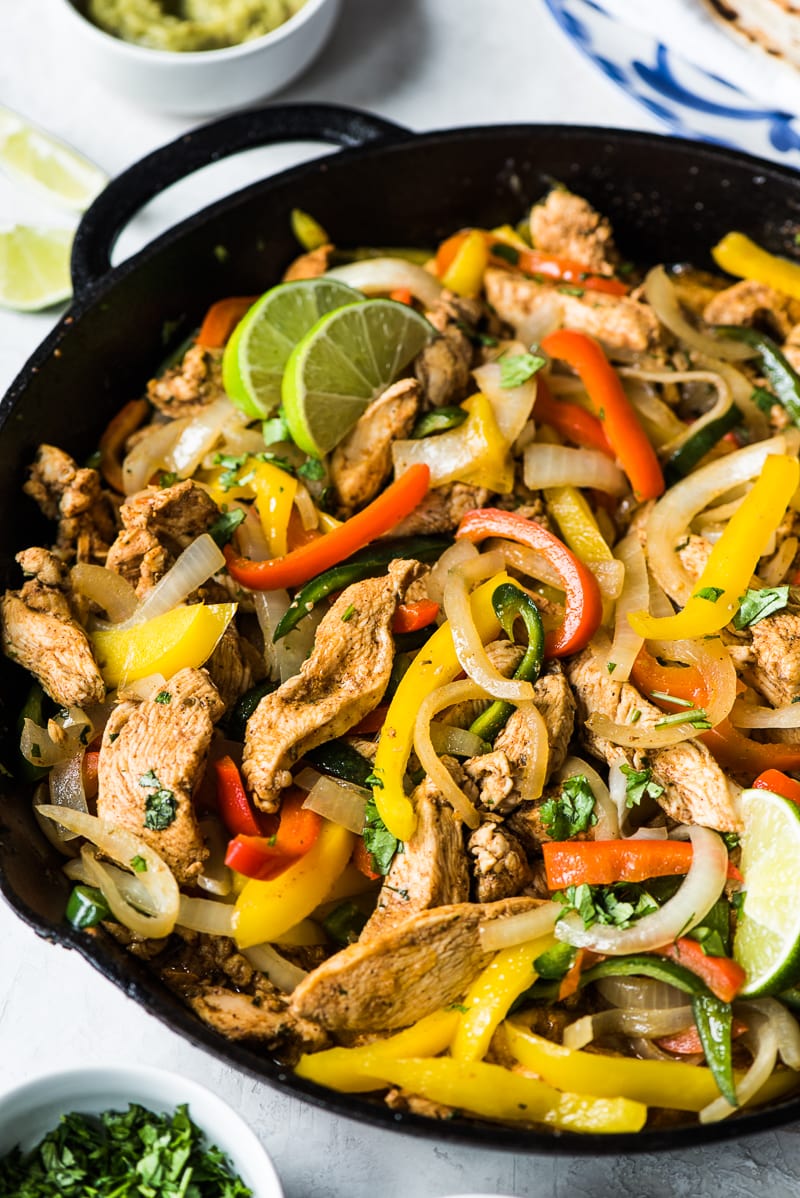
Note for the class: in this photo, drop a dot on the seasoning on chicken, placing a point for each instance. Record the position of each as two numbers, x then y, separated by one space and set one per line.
754 304
500 866
191 385
568 226
363 460
776 657
442 510
72 495
342 680
309 266
40 631
443 367
151 762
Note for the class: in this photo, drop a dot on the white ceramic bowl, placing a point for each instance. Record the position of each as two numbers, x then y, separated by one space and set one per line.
202 83
28 1112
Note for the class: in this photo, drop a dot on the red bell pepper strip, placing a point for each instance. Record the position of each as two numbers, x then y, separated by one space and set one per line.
603 862
233 805
573 422
779 784
731 748
362 860
531 262
393 505
613 408
583 608
222 318
265 857
410 617
296 534
723 976
687 1042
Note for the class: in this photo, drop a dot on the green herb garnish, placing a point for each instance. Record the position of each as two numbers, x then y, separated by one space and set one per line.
378 840
572 811
516 369
757 605
639 785
712 594
225 525
619 905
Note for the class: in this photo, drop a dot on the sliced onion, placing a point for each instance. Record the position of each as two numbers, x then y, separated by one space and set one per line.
526 561
216 877
199 437
762 1040
142 689
470 651
204 915
635 596
742 391
132 890
58 836
698 892
66 786
198 562
662 297
121 846
449 456
640 994
432 704
379 276
512 406
610 577
281 973
507 932
777 567
109 590
658 419
150 454
607 826
309 516
461 551
340 802
673 514
719 408
627 1023
39 747
785 1026
560 465
457 742
744 715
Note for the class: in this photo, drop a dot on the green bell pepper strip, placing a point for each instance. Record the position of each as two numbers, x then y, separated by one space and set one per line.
684 460
714 1021
782 376
366 562
32 709
440 420
650 967
342 761
236 723
509 602
87 907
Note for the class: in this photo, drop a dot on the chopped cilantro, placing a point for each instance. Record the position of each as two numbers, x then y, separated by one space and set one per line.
225 525
348 613
737 900
149 779
138 864
709 940
636 716
712 594
694 716
619 905
672 698
757 605
611 666
572 811
516 369
458 1006
731 840
163 697
373 780
639 785
275 429
378 840
232 464
312 469
579 291
167 478
160 807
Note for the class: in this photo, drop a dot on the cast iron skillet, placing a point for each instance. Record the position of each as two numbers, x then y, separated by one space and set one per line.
669 200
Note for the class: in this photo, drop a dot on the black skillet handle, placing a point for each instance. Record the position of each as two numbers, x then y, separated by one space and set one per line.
130 191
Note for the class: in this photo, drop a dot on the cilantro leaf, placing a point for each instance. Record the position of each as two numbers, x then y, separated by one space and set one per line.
712 594
275 429
378 840
516 369
225 525
757 605
572 811
312 469
618 905
232 464
639 785
160 807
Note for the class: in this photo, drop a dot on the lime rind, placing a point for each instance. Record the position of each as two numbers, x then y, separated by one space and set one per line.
767 941
50 166
257 352
34 267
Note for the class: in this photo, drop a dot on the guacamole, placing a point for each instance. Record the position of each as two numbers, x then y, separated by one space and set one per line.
190 24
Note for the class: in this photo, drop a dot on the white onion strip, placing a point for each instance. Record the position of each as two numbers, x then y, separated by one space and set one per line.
662 297
785 1025
281 973
635 597
195 566
512 406
699 891
205 915
470 651
340 802
199 437
719 408
461 551
216 877
437 771
762 1040
548 465
151 454
497 934
109 590
458 742
66 786
379 276
122 847
743 715
627 1023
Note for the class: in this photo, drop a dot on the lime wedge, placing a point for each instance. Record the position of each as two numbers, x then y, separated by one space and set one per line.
257 351
34 267
54 168
343 363
767 941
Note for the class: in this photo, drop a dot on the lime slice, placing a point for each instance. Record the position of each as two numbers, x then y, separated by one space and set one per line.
257 351
39 159
343 363
34 267
767 941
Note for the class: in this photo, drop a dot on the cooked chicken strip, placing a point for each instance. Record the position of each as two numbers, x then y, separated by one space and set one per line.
310 265
342 680
441 510
154 748
695 789
405 973
74 496
443 367
500 866
752 303
776 654
567 225
361 462
185 389
39 630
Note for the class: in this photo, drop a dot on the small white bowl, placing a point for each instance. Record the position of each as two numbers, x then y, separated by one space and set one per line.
200 83
28 1112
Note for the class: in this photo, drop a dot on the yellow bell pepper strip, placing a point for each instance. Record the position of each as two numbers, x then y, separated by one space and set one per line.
493 468
578 526
275 491
431 668
464 273
740 256
185 636
732 560
348 1069
490 996
654 1083
265 910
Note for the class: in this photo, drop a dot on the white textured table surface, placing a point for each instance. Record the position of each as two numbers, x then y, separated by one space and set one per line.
425 64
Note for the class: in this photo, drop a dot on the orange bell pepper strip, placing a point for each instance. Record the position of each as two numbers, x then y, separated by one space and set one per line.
603 862
411 617
112 442
265 857
731 748
612 407
723 976
583 609
362 860
573 422
778 783
222 318
393 505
